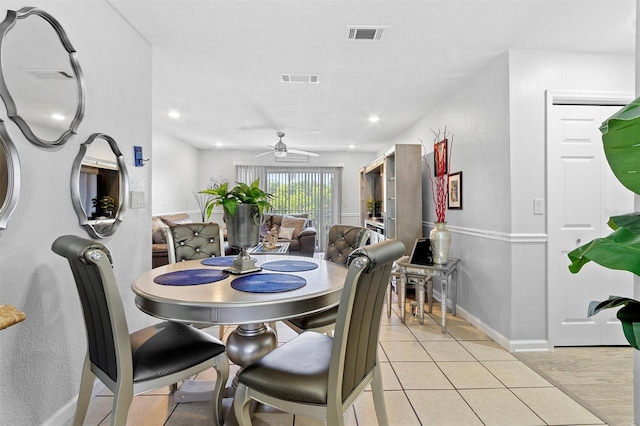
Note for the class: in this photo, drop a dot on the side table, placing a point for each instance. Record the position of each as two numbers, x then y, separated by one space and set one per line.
423 275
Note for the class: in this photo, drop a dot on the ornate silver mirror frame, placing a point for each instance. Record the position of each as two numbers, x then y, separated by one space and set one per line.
12 111
99 227
9 176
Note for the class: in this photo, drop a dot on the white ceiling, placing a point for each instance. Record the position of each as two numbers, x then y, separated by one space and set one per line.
219 62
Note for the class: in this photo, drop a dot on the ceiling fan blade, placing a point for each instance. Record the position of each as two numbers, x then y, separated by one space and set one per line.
297 151
264 153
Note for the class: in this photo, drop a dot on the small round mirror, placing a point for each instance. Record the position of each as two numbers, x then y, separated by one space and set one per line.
41 82
99 185
9 176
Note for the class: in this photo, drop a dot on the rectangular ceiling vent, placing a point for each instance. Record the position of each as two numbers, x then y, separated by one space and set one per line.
300 78
365 32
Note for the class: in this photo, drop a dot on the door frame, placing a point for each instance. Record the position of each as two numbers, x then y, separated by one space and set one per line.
567 97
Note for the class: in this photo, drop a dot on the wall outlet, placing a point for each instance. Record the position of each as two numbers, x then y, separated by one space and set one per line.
538 206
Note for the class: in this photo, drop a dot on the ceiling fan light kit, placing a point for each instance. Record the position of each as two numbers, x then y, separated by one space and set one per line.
280 149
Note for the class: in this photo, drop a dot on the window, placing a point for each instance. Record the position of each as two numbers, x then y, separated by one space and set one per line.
315 191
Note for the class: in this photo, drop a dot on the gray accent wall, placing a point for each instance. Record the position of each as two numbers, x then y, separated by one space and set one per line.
498 124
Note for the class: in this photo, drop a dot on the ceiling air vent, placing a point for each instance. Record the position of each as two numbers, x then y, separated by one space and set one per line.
362 32
300 78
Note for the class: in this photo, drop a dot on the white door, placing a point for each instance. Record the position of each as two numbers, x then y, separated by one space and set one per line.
582 194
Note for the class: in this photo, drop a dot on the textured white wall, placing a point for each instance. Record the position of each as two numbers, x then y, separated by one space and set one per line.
41 358
175 174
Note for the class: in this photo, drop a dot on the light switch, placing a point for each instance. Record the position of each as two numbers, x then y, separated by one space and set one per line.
137 200
538 206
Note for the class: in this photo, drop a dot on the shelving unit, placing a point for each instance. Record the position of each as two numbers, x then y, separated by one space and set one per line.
396 179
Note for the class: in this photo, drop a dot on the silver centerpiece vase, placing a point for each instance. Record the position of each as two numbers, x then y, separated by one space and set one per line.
243 232
440 243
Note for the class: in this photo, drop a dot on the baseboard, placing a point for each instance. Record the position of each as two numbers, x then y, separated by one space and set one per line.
510 345
64 414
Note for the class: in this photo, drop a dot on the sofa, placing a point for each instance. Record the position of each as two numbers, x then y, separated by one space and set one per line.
159 253
302 241
297 230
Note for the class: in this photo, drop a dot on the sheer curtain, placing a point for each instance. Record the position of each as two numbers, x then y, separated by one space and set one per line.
315 191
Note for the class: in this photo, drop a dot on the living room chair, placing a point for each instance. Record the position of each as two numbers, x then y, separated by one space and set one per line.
130 364
329 373
342 241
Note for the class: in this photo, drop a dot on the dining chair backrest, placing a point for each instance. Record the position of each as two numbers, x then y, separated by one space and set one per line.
196 240
342 240
106 324
356 335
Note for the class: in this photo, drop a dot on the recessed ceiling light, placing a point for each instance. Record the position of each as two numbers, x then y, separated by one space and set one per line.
57 117
374 119
219 144
174 114
352 146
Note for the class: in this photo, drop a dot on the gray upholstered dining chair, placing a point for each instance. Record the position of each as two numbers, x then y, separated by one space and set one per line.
329 373
129 364
196 240
342 241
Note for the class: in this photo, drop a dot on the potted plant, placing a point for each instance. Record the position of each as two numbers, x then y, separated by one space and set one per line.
243 209
370 207
621 249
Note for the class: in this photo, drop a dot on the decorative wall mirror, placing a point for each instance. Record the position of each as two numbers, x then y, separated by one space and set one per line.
41 82
99 185
9 176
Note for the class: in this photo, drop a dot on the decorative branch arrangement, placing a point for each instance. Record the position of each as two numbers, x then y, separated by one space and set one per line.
203 198
441 163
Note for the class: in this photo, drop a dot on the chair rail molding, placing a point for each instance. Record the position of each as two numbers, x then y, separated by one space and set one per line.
513 238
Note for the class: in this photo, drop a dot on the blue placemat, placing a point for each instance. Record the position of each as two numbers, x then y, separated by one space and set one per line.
268 283
220 261
191 277
289 265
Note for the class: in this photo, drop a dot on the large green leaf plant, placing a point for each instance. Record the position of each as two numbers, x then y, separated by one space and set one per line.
621 249
229 198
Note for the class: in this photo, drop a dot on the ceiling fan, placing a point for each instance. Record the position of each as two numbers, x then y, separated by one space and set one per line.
281 150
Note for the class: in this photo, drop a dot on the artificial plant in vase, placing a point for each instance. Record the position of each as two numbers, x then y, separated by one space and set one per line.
243 209
621 249
440 236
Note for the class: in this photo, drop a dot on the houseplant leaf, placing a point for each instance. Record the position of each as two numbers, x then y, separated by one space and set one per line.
621 140
619 250
629 315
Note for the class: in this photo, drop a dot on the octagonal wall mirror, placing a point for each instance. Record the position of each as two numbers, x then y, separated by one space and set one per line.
99 185
41 82
9 176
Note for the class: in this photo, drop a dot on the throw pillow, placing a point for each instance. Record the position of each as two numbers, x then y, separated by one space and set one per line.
157 232
297 223
285 233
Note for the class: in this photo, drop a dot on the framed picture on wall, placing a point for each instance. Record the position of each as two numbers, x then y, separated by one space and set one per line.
455 191
440 156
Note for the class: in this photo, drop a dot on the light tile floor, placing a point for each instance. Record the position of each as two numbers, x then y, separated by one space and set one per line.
458 378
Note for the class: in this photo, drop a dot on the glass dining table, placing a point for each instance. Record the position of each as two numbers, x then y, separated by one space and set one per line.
201 292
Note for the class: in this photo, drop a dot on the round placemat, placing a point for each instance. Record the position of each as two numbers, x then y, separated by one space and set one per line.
268 283
191 277
289 265
220 261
